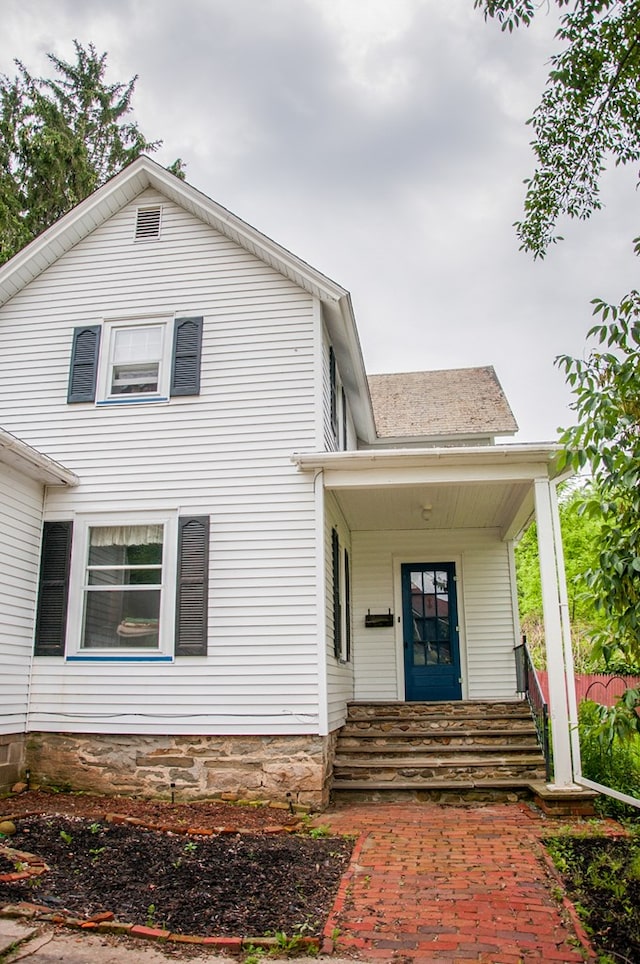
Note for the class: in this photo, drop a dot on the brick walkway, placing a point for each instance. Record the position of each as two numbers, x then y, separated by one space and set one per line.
436 883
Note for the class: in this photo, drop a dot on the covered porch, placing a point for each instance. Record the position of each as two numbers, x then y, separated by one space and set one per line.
430 534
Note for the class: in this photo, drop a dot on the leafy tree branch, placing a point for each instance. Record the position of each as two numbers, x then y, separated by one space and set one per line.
589 113
61 137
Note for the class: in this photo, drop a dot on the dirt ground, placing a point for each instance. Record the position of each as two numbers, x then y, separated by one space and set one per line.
249 877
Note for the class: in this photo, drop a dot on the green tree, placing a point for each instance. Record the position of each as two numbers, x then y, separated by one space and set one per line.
60 139
581 541
589 112
606 386
589 115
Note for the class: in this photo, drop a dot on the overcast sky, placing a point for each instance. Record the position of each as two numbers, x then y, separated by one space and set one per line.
382 141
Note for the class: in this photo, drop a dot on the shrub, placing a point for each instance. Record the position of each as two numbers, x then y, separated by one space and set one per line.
610 750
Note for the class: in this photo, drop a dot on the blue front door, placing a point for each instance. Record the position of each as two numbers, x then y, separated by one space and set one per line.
430 632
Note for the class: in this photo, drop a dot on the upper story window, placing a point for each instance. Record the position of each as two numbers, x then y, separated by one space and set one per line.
135 360
145 360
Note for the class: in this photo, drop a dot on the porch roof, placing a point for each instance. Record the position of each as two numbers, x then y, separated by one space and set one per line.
437 488
35 465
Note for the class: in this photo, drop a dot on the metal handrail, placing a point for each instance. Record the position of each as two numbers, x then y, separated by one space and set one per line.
529 685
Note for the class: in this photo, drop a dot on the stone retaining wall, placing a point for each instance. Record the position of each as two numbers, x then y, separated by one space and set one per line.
11 759
278 768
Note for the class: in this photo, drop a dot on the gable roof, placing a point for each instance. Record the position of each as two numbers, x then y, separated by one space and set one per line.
143 173
454 403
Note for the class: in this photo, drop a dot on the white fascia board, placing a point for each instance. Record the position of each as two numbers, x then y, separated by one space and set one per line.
123 188
248 237
343 332
532 454
437 441
35 465
84 218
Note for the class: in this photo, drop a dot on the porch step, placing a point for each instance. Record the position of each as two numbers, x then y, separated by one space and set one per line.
498 743
461 710
438 746
514 783
372 736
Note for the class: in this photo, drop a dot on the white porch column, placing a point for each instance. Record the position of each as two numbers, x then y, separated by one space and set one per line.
558 706
569 667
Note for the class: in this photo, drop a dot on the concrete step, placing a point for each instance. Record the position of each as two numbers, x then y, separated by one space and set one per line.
470 745
460 784
456 710
509 773
441 759
437 747
482 738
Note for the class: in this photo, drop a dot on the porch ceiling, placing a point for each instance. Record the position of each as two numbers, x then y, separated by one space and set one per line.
506 506
467 487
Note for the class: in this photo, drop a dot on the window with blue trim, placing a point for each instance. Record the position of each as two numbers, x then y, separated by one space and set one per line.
124 586
135 361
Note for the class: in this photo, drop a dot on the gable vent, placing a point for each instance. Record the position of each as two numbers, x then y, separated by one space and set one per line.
148 223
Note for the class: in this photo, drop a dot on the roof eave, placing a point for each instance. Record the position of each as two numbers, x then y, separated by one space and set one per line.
123 188
442 441
143 173
27 460
527 452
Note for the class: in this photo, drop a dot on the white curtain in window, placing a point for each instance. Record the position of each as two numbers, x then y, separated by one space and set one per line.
126 535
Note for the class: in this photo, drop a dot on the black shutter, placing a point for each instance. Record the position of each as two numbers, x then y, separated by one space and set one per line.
187 348
333 390
337 614
83 368
193 586
53 592
347 607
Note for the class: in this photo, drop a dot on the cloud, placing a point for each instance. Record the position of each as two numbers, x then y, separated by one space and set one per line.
385 143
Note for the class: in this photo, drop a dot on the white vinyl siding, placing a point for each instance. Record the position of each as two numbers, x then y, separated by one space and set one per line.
224 453
487 630
20 529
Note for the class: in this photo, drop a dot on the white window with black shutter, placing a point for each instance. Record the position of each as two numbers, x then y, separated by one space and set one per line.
136 360
136 585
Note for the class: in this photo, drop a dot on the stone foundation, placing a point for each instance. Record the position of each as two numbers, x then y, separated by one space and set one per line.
12 759
274 768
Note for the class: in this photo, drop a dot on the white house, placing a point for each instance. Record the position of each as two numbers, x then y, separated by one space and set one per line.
231 532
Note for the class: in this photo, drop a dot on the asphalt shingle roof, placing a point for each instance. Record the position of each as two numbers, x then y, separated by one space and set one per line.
446 404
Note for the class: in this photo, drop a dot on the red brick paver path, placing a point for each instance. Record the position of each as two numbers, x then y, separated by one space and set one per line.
437 883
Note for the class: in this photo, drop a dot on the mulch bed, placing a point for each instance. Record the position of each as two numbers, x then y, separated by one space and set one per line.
249 879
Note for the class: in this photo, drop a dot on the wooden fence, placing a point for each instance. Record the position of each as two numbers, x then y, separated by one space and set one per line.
603 689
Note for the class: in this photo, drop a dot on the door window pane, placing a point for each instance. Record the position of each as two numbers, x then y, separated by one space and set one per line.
430 613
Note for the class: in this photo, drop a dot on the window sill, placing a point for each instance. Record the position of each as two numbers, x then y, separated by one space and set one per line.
152 400
131 658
